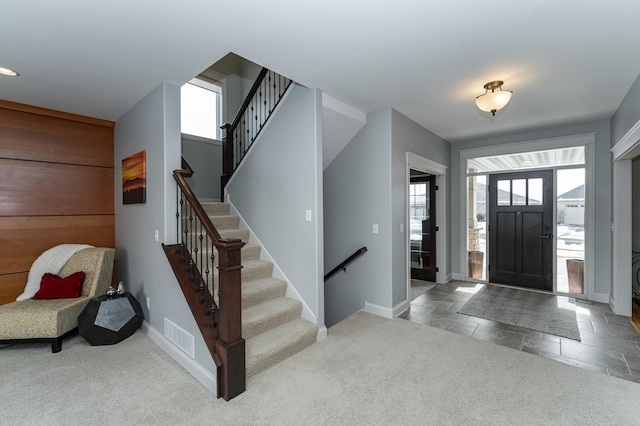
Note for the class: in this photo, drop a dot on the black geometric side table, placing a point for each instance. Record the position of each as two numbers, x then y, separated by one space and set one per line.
109 320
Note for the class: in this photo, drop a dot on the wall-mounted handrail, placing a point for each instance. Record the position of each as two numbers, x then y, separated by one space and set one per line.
347 261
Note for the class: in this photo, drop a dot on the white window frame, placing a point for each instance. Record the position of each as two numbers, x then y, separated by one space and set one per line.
218 88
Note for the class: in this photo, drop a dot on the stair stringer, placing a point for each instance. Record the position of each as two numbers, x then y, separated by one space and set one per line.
307 313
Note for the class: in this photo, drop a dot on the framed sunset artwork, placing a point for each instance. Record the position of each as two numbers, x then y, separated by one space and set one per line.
134 178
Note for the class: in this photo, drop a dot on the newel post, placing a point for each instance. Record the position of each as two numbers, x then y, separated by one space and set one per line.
227 157
230 345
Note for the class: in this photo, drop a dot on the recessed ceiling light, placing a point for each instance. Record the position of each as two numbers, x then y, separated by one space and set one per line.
7 71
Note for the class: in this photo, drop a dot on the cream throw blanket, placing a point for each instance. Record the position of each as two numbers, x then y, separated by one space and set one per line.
50 261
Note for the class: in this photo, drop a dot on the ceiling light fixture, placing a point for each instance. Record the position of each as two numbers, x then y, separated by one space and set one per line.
494 100
7 71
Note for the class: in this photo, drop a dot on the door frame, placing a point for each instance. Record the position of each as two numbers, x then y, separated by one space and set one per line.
624 150
587 140
416 162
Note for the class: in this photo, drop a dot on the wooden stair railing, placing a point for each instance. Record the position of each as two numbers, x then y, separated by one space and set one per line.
237 137
192 261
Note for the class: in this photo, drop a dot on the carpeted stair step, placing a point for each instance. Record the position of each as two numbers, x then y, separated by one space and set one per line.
277 344
250 251
216 208
242 234
261 290
225 222
253 269
270 314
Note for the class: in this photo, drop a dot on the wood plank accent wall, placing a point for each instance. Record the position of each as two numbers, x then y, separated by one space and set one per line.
56 187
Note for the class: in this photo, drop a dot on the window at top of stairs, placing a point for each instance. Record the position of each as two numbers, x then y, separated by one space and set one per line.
200 109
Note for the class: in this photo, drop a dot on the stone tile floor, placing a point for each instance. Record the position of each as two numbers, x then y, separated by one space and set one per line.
610 345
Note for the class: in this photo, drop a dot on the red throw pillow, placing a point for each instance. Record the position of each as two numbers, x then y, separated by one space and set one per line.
54 287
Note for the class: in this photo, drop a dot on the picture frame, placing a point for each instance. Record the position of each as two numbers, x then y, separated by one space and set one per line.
134 178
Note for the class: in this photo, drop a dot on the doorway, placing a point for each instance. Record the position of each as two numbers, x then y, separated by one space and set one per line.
422 225
571 242
521 229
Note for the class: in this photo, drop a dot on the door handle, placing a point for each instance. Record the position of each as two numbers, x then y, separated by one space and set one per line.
546 236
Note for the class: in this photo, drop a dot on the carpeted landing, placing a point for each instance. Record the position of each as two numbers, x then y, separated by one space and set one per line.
369 371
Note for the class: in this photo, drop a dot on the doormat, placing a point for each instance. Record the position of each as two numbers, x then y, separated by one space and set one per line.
528 309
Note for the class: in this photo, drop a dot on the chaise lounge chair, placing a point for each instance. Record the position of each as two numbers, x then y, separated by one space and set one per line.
51 320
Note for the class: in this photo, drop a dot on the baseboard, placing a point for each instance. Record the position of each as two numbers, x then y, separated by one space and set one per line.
378 310
602 298
621 308
457 276
322 334
205 377
400 308
448 278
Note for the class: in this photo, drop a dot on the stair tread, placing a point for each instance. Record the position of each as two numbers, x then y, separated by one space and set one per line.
253 269
269 348
261 289
224 221
242 234
269 314
251 263
212 207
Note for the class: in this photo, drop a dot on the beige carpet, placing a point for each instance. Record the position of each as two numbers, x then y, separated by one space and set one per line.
370 371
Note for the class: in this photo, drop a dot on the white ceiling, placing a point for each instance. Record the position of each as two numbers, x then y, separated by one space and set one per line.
566 61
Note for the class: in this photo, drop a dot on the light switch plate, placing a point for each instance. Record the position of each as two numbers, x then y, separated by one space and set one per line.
375 228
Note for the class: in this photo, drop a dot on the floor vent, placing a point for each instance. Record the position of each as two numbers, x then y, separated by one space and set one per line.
179 337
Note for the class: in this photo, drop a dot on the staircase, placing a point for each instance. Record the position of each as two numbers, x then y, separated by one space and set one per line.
271 323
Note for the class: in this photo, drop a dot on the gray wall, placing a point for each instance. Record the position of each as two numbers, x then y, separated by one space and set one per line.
277 182
407 135
205 158
237 89
628 113
357 194
366 184
153 125
603 197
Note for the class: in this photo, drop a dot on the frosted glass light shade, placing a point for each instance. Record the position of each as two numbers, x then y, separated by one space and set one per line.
493 101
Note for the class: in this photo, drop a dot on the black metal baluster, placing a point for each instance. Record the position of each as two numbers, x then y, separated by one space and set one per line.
214 324
189 237
178 192
194 255
180 218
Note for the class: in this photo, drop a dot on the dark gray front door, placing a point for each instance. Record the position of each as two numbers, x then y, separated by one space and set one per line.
422 226
521 229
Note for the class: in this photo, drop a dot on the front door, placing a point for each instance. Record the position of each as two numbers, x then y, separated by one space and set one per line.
422 214
521 229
